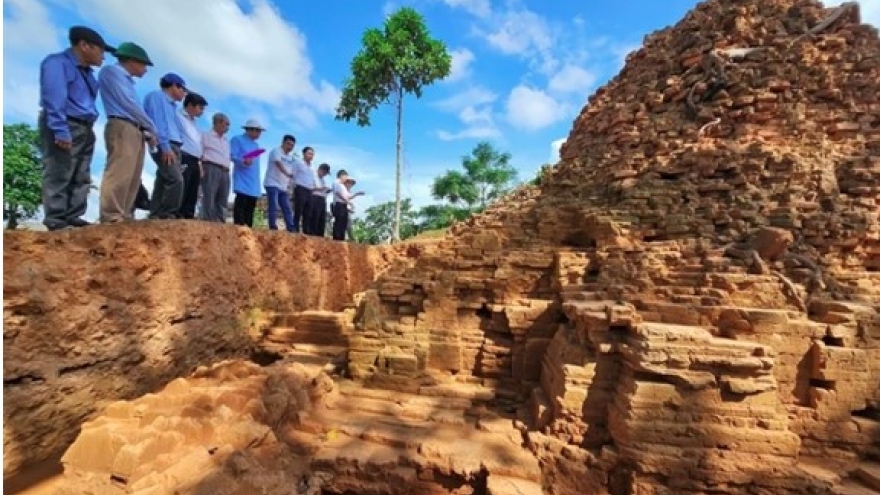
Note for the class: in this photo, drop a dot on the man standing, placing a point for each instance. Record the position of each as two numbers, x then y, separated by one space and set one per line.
124 132
68 89
246 173
161 107
303 183
215 161
190 151
318 203
279 173
341 199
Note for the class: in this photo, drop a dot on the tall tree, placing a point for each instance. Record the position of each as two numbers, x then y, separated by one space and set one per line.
399 59
22 174
487 175
377 225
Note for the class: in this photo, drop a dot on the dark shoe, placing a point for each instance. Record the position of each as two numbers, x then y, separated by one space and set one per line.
59 227
78 222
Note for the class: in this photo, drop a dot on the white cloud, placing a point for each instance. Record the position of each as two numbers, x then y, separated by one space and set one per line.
28 27
471 132
264 58
572 79
479 8
473 96
532 109
461 64
555 149
525 34
474 109
28 31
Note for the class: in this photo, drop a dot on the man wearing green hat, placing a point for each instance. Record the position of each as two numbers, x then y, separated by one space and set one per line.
128 126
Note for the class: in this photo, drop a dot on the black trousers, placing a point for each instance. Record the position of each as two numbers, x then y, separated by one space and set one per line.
66 173
317 215
168 188
191 180
340 221
301 197
243 209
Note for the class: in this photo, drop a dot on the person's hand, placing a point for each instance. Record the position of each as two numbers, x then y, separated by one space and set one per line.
63 144
168 157
248 161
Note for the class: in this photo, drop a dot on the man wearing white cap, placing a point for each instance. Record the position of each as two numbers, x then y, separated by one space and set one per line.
246 172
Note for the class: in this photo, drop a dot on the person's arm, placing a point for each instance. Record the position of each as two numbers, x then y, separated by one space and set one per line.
114 84
153 110
236 151
53 95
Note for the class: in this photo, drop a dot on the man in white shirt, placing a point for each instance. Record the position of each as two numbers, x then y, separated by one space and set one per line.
190 151
216 160
303 184
341 199
317 219
278 175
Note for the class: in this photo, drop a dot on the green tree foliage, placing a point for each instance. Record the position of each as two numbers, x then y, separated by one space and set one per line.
22 174
436 217
399 59
487 176
376 227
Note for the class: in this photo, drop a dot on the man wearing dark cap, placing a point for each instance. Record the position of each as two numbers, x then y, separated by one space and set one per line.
161 106
191 151
124 133
67 97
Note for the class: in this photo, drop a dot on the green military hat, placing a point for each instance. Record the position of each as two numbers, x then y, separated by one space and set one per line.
133 51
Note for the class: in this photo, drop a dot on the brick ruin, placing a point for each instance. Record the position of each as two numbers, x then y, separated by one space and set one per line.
687 303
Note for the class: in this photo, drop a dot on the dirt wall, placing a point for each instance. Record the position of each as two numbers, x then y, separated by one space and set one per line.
114 312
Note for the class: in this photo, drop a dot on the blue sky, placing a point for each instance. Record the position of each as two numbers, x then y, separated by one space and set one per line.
522 71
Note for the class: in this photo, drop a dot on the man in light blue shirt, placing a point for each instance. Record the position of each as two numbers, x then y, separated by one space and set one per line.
161 106
124 133
68 89
246 173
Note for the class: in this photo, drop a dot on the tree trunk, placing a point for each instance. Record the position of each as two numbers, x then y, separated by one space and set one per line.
12 220
395 230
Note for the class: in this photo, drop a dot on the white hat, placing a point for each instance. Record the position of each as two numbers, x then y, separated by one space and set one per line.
253 124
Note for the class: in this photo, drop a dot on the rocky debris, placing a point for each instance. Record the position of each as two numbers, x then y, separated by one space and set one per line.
688 302
219 431
239 428
128 308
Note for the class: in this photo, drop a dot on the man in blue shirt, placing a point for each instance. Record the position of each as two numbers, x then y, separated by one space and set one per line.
246 173
68 89
161 106
125 132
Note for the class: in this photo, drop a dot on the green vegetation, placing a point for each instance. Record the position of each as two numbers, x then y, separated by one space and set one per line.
22 174
400 59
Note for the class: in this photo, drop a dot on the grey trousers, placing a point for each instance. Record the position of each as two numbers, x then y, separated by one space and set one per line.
168 188
215 192
66 174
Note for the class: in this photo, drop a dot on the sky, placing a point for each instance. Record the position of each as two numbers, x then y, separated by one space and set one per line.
522 70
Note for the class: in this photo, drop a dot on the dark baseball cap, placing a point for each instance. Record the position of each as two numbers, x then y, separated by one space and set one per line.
172 78
82 33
